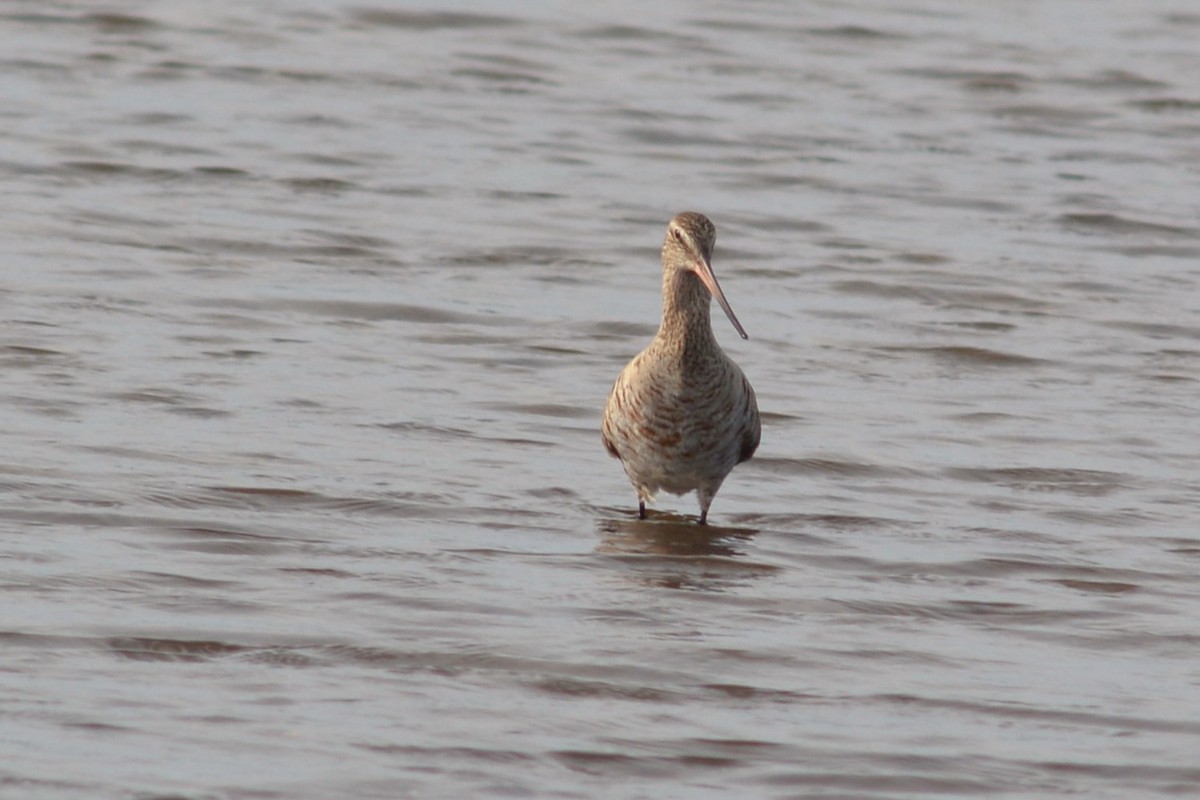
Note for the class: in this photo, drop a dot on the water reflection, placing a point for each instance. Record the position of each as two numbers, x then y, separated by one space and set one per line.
667 534
671 551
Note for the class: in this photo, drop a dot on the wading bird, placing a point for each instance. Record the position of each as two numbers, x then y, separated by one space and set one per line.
681 414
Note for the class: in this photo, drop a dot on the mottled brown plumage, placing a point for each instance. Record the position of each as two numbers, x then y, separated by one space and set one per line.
681 414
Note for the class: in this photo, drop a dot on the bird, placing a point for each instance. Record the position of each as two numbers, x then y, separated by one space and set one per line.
682 415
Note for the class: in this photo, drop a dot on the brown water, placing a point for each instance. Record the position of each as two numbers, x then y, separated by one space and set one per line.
310 310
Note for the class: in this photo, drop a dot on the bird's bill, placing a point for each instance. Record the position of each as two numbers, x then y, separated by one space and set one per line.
705 271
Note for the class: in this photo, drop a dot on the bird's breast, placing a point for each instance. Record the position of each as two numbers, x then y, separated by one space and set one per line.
669 411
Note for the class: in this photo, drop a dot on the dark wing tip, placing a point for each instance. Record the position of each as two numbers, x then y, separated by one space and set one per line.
749 446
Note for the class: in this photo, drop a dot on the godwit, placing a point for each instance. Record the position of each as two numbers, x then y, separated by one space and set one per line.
681 414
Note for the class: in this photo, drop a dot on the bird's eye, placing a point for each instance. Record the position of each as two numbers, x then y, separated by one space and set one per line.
677 234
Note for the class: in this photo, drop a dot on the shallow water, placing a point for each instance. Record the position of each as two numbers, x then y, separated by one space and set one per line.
311 310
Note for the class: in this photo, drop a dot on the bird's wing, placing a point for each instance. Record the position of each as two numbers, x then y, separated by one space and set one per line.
753 433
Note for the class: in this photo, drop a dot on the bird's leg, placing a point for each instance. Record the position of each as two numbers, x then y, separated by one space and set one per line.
705 496
641 509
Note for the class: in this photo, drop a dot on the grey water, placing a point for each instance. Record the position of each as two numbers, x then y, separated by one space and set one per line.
310 311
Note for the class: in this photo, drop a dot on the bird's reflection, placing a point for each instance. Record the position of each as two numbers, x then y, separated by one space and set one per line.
666 534
669 551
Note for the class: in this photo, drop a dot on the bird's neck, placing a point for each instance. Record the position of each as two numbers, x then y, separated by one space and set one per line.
686 304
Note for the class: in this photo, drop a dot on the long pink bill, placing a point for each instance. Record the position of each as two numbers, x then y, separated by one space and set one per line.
705 271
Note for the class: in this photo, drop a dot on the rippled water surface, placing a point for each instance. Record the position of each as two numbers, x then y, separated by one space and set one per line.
310 311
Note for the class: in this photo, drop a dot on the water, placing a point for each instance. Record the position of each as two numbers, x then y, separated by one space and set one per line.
311 310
